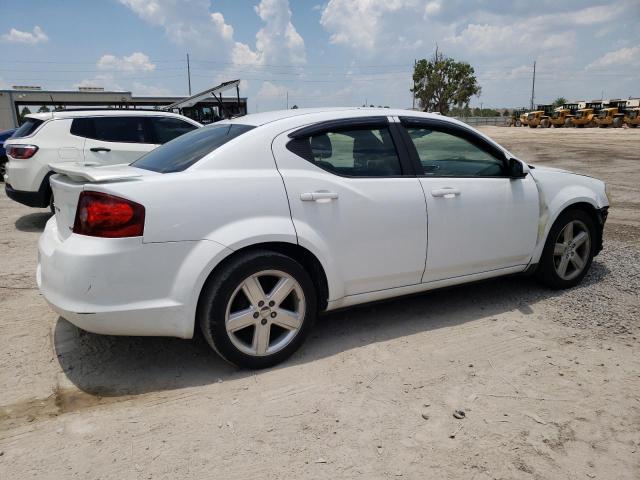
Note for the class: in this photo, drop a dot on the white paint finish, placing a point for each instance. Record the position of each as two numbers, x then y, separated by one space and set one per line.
375 228
371 240
114 152
479 224
128 287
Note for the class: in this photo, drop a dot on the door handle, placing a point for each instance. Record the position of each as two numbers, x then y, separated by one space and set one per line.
315 196
447 192
100 149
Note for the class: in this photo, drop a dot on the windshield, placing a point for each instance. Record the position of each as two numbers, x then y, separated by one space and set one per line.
182 152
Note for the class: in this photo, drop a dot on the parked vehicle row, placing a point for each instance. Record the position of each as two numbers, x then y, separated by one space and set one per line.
598 113
92 137
248 228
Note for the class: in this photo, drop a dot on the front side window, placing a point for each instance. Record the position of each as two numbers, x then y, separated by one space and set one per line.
358 152
167 128
182 152
446 155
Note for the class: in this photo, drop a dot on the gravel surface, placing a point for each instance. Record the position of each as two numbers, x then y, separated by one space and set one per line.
548 381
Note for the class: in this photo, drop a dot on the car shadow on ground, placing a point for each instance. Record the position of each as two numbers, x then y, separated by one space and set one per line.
33 222
110 366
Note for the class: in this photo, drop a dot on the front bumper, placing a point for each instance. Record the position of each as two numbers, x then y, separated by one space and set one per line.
124 286
601 214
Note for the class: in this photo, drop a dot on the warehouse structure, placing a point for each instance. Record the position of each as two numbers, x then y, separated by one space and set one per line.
205 107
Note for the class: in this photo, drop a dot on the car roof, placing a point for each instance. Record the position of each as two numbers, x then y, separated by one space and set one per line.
258 119
110 112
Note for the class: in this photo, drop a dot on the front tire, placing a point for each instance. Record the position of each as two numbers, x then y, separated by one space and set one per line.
257 311
568 251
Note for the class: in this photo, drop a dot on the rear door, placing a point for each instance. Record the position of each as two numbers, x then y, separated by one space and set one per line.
479 218
354 196
166 129
116 139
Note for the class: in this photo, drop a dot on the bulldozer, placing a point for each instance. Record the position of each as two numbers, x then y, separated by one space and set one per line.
632 113
612 115
584 117
540 116
562 115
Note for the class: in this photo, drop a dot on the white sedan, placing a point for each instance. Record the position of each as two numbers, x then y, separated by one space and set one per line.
251 227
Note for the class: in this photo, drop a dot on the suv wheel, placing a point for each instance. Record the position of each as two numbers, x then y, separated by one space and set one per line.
569 250
258 310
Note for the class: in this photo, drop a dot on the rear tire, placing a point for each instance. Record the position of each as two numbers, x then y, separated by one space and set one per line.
617 122
249 327
568 251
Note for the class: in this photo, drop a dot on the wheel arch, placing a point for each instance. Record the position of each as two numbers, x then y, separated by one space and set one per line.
305 257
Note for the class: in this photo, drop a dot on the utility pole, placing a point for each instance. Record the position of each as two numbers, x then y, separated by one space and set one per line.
533 85
287 99
189 74
413 105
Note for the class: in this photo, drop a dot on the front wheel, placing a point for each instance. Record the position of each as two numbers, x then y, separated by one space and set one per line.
569 250
258 310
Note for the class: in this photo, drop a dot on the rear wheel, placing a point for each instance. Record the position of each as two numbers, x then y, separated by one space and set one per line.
569 250
617 122
258 310
545 123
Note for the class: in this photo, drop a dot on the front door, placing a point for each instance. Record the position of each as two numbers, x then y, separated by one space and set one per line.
355 200
479 219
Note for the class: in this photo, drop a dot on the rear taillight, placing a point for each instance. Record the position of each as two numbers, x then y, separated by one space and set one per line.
21 152
103 215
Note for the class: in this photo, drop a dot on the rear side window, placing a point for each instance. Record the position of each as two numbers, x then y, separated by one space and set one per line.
167 128
27 128
113 129
182 152
358 152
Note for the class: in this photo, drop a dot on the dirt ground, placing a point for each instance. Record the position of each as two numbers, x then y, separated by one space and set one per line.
549 381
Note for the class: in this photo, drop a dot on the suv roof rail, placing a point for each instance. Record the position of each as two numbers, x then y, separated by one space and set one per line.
106 109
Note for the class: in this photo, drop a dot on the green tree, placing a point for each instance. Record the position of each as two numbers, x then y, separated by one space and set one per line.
558 102
43 109
23 113
295 107
441 82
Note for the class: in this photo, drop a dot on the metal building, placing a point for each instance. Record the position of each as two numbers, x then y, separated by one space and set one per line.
204 107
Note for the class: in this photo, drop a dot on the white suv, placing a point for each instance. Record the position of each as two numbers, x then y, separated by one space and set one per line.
92 137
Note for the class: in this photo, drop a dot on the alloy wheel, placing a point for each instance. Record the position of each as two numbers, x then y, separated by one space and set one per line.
572 250
265 313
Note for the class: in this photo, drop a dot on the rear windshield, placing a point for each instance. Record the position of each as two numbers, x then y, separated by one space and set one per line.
27 128
182 152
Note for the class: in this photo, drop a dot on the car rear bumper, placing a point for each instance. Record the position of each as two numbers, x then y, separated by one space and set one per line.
124 286
39 198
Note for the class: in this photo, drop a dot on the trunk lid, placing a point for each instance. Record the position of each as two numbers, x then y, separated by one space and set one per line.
73 178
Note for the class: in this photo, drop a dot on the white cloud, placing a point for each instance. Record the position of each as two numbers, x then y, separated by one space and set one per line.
628 56
30 38
277 42
106 81
184 22
136 62
358 23
270 89
149 90
432 8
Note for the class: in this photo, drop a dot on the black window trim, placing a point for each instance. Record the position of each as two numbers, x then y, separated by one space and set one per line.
452 129
148 128
407 168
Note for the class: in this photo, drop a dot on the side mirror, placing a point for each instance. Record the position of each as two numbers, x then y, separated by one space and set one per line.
515 168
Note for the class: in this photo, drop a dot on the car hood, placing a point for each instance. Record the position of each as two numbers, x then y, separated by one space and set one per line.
549 169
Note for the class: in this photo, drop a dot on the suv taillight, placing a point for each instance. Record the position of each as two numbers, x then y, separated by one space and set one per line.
21 152
103 215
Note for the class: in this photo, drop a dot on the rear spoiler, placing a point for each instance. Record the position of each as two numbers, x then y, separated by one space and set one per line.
95 173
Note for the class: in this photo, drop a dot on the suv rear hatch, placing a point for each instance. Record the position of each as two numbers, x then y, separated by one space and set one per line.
72 179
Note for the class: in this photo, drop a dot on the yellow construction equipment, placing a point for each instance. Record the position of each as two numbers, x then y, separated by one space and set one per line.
632 113
540 116
561 116
584 117
612 115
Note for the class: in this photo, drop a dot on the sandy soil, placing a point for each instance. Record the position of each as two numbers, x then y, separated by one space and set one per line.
549 381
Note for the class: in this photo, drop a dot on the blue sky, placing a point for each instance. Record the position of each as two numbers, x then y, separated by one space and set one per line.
337 52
